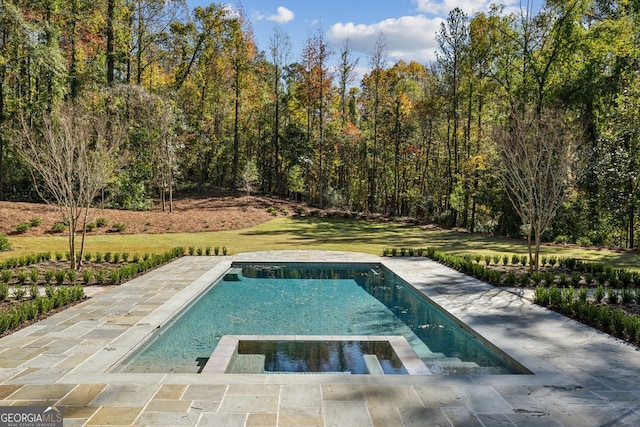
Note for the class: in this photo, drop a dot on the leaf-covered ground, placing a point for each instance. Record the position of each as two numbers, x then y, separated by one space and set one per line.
226 212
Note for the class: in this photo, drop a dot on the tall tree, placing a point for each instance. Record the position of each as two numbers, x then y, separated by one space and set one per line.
318 81
280 49
453 39
377 62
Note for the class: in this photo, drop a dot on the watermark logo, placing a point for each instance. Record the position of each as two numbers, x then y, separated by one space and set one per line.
30 416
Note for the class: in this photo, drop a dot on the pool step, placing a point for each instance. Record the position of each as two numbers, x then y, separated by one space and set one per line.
233 275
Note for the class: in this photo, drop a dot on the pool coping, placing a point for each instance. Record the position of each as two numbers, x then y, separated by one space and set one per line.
108 359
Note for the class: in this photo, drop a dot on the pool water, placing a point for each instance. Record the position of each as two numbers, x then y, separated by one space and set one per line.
323 356
305 299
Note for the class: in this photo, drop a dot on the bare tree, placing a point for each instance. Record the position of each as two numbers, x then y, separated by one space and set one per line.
249 177
72 157
537 152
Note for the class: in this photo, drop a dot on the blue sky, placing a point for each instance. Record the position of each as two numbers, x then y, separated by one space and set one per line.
409 26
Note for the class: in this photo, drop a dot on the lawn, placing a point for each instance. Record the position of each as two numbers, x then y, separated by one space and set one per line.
316 234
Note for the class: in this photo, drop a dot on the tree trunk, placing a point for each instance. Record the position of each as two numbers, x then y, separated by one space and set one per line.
111 55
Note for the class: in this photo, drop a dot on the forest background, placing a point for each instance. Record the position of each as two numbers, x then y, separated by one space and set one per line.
203 108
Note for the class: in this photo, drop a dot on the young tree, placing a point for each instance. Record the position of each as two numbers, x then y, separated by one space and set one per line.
72 156
536 151
249 177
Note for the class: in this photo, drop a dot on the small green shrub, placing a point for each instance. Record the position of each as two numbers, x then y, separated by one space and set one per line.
90 226
273 211
552 260
544 260
541 296
505 259
48 276
6 275
99 257
563 281
107 257
19 292
487 260
101 276
613 296
207 250
199 251
627 296
477 258
34 293
34 275
71 275
598 294
568 295
555 296
511 279
60 275
59 227
23 227
216 250
224 250
584 242
4 291
118 227
136 258
515 259
116 258
5 245
102 222
523 260
192 250
583 294
87 275
21 276
87 256
125 256
35 221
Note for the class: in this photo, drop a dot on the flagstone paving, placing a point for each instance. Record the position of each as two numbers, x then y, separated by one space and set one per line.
581 377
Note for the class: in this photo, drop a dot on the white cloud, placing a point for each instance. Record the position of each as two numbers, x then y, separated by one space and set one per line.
282 16
443 7
409 38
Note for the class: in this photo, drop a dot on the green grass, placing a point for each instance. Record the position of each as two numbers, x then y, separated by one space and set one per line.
315 234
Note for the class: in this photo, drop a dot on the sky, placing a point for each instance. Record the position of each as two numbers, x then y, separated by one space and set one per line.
409 27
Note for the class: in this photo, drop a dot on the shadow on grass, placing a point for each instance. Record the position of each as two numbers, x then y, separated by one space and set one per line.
343 231
324 232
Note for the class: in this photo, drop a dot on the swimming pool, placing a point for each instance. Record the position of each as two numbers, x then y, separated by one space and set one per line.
315 299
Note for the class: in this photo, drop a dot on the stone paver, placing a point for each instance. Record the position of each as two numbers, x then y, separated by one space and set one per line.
580 377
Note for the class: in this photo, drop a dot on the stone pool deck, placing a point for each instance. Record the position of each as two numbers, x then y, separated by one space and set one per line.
581 376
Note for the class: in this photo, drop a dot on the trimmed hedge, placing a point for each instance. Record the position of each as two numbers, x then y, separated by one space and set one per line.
29 310
575 305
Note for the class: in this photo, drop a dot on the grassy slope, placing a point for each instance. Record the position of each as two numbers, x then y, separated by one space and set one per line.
314 233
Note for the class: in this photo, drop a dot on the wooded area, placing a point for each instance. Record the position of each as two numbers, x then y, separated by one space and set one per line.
204 108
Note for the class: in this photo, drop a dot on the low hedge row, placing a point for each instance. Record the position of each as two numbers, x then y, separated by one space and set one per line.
41 304
121 274
574 304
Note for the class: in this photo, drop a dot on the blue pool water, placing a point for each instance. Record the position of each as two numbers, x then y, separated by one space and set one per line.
304 299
